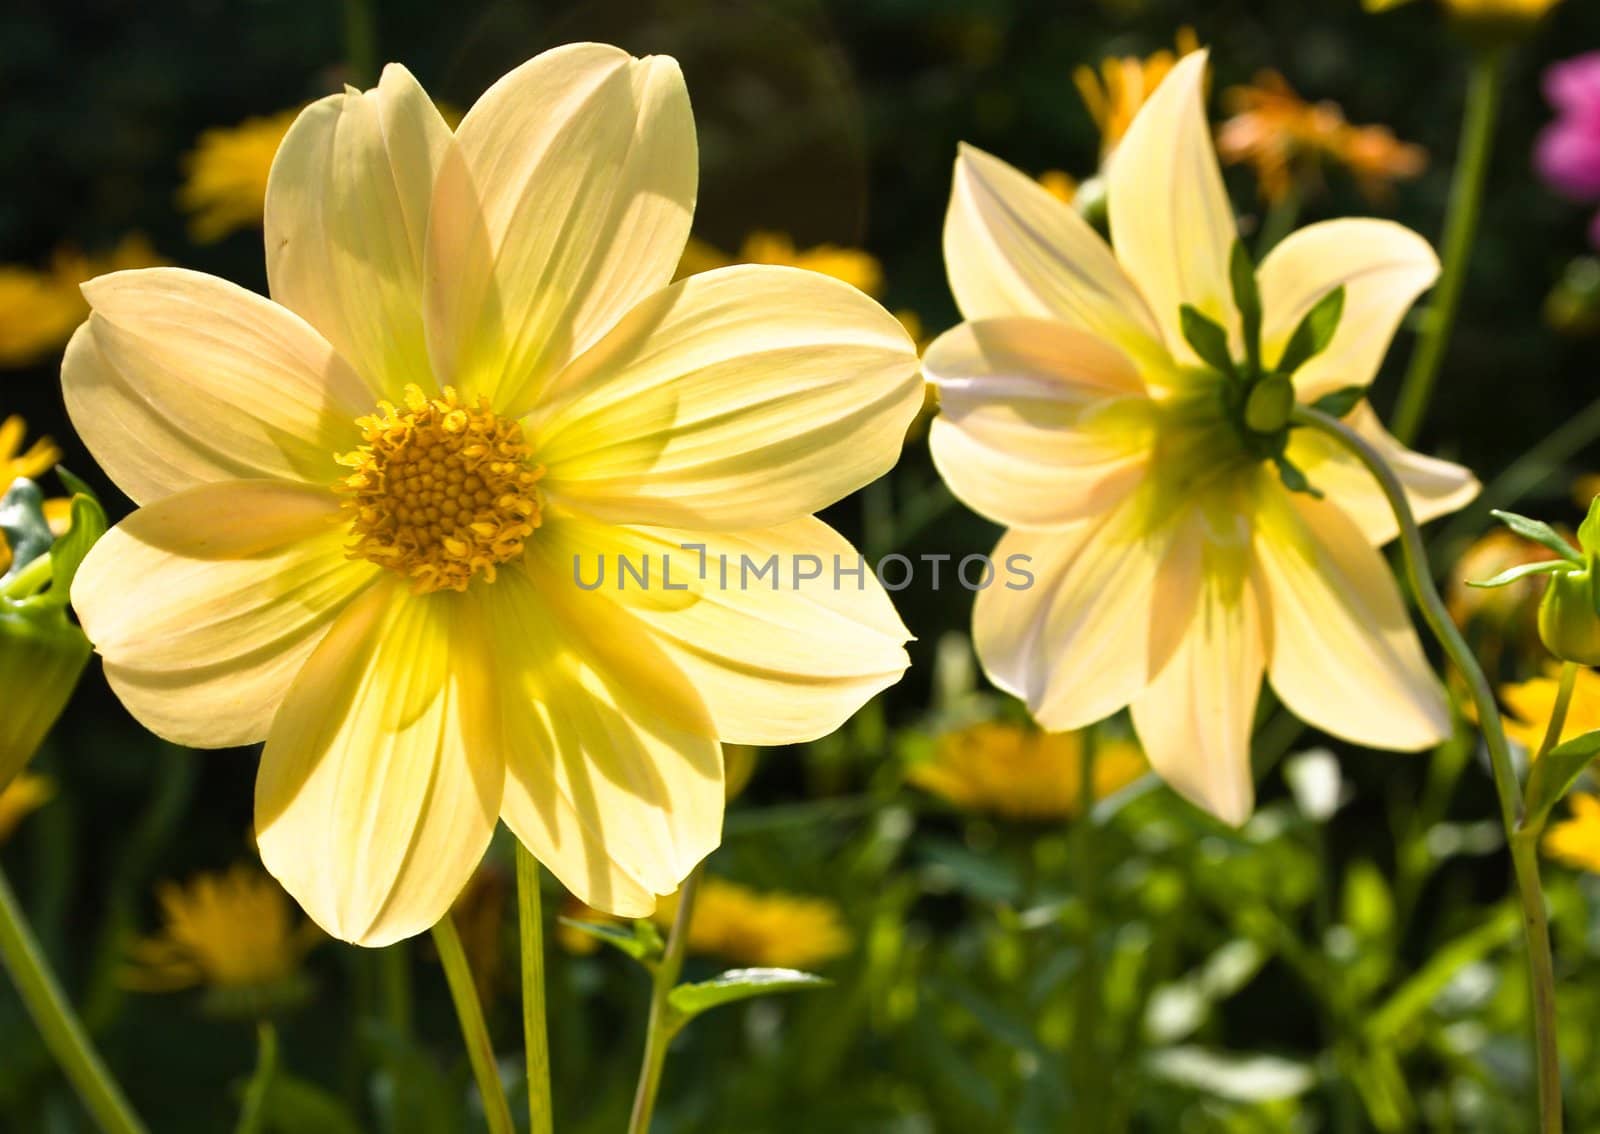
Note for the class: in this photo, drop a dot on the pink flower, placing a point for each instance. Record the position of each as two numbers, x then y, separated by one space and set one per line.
1567 154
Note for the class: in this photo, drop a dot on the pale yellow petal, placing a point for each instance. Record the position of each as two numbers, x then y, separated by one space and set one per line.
1344 655
785 632
1382 266
1075 643
346 221
570 203
1433 487
206 604
738 398
1011 248
380 782
180 378
1039 424
614 775
1195 718
1171 221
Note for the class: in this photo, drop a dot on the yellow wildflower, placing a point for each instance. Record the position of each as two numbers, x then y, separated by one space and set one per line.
233 931
1576 840
1060 185
1284 139
1021 773
39 309
1530 703
21 798
1114 94
225 175
1171 567
32 462
766 928
372 506
857 268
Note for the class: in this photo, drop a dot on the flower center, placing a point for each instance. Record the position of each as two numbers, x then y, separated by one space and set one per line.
440 491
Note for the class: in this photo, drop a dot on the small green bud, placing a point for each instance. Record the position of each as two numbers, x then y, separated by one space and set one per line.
42 654
1091 200
1270 403
1569 616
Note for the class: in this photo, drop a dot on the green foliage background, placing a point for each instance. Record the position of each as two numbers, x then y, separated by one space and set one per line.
1361 973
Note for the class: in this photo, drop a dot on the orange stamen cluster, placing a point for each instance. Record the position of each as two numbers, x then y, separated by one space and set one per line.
441 491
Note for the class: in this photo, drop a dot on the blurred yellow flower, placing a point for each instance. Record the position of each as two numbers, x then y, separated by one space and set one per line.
1114 93
1512 11
1584 489
32 462
1171 567
855 267
24 795
233 931
370 506
1285 139
1530 703
1576 840
1019 772
765 928
39 309
1060 185
225 175
1508 612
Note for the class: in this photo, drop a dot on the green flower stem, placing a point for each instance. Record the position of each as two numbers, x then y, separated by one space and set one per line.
1085 1049
1558 711
536 1036
253 1113
394 987
1460 228
53 1016
360 42
1279 222
480 1052
1524 860
662 1026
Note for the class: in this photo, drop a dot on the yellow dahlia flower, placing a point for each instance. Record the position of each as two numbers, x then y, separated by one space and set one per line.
1529 705
1172 567
1575 841
767 928
225 175
367 500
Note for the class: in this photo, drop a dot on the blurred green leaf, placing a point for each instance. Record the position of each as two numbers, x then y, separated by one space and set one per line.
1553 775
689 1000
641 940
294 1106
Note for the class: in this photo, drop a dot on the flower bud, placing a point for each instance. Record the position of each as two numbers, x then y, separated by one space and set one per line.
1267 408
42 654
1569 616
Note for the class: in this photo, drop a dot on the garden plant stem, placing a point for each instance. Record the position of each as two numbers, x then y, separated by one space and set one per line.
480 1052
536 1035
662 1027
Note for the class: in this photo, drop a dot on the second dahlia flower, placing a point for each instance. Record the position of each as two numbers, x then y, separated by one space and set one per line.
1173 565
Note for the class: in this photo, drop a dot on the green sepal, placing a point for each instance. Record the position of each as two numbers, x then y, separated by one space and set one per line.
87 525
1553 775
689 1000
1539 532
23 525
1341 401
1293 479
1247 298
641 941
1315 332
1207 338
1522 571
1589 530
1268 405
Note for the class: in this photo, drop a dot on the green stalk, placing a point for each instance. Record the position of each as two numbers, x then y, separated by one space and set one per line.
1086 1024
536 1035
254 1110
394 986
1536 932
1279 222
662 1027
57 1024
360 42
480 1052
1460 228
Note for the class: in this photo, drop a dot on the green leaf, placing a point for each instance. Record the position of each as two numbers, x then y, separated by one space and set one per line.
1314 333
1247 298
88 525
1341 401
23 525
1589 530
1522 571
1539 532
1554 773
689 1000
294 1106
641 941
1406 1006
1293 479
1208 339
